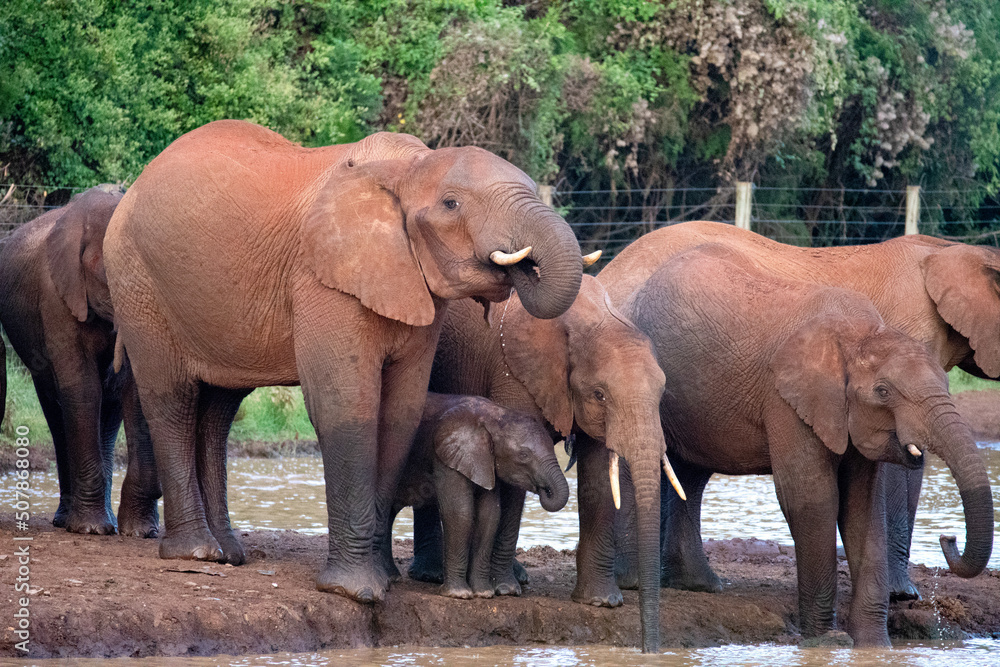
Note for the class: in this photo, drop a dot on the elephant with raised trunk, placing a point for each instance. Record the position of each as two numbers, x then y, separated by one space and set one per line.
466 445
56 310
940 293
239 259
589 373
808 383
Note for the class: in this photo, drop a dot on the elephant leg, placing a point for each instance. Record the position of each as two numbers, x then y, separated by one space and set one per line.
806 485
341 383
455 497
685 565
626 544
171 412
484 534
595 556
45 387
91 469
902 492
511 500
404 392
137 515
428 560
862 528
216 409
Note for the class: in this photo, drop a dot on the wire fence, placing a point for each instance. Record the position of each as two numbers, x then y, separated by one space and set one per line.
611 219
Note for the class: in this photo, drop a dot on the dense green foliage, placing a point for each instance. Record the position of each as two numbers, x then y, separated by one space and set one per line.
644 95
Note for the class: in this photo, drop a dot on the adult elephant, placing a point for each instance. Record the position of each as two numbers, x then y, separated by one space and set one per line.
56 310
239 259
806 382
589 373
940 293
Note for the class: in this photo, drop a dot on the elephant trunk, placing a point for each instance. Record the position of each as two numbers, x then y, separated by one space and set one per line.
646 481
553 490
958 450
548 280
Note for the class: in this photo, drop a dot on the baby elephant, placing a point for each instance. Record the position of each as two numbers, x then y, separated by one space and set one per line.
463 445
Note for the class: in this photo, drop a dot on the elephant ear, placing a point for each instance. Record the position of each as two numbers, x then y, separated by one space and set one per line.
964 282
462 443
354 240
537 353
63 252
811 375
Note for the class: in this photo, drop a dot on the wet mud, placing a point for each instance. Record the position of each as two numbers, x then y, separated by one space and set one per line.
111 596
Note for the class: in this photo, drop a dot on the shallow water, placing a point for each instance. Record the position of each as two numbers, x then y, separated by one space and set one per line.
289 494
970 653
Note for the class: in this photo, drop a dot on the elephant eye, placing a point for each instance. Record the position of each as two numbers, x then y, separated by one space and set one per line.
599 395
882 391
450 204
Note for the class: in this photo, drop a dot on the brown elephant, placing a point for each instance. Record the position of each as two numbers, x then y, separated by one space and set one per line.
941 293
239 259
806 382
590 374
465 446
56 310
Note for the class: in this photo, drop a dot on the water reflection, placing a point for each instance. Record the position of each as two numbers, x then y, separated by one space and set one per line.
974 652
289 494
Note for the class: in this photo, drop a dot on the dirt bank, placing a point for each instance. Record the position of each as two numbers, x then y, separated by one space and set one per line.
112 596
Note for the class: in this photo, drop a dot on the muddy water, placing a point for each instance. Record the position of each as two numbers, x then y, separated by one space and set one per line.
951 654
289 494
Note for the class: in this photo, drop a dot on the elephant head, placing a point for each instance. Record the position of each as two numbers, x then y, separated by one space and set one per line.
483 441
854 380
455 222
964 282
593 370
74 251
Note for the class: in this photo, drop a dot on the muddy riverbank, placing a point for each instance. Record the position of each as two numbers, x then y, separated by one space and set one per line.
111 596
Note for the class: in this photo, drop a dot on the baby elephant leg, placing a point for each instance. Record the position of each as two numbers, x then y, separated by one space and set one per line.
487 521
457 507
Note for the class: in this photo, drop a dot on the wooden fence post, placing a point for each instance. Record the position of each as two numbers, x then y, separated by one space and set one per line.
912 209
545 193
743 199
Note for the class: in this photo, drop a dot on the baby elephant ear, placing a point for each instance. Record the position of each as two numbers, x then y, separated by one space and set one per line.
462 443
964 282
810 374
354 240
63 250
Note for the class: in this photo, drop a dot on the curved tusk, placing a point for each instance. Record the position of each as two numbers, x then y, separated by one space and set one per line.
591 258
913 450
616 490
509 259
674 482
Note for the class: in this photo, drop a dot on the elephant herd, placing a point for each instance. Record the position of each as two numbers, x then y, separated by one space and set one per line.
376 272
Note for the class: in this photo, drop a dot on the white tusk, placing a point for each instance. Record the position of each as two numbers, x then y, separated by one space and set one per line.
913 450
616 491
674 482
509 259
591 258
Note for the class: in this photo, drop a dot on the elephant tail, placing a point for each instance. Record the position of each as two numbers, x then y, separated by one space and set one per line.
119 352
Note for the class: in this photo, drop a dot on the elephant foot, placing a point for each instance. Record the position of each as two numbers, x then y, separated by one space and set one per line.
195 545
831 639
97 521
485 593
422 570
705 581
901 588
460 591
627 576
361 583
608 595
232 548
138 523
507 584
521 574
61 515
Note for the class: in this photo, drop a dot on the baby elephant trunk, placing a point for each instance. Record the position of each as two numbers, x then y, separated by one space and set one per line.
553 491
